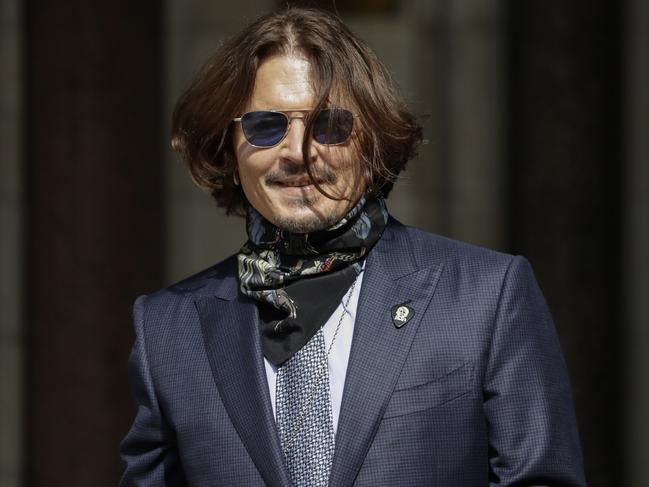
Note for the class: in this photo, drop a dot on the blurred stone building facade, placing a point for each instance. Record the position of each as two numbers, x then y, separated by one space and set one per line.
536 122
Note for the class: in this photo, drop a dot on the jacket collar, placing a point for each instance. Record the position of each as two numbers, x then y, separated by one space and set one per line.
393 276
230 325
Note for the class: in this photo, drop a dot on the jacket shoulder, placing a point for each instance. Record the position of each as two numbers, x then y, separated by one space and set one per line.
209 277
471 270
219 279
454 253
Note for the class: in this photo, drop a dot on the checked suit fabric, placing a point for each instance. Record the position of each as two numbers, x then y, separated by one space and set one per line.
304 414
475 389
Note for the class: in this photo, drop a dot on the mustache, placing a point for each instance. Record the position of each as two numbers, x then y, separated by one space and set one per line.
320 174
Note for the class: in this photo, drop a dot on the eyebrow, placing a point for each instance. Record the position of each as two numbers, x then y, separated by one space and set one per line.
277 110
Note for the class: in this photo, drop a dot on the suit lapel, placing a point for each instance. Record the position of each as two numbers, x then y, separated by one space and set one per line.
230 325
379 348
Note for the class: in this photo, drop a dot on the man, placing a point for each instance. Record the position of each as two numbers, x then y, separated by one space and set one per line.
338 347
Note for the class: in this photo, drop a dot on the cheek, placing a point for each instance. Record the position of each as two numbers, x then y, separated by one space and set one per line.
245 158
238 139
248 174
253 166
345 161
336 157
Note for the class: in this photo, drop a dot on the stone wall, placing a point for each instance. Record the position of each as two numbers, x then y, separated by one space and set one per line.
11 243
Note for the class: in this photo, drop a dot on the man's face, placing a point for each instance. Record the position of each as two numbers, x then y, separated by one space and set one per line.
274 179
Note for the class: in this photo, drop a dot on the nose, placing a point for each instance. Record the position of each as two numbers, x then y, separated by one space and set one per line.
291 146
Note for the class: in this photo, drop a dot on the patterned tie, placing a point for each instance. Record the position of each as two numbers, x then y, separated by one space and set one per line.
304 414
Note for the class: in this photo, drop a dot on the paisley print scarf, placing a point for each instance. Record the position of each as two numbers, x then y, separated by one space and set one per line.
300 278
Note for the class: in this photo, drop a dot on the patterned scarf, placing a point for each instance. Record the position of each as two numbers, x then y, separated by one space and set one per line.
301 277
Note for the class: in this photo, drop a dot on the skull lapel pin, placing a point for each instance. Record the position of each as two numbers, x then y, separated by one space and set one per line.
401 314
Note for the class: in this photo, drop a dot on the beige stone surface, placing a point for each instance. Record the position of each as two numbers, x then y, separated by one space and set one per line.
11 213
636 257
198 234
10 411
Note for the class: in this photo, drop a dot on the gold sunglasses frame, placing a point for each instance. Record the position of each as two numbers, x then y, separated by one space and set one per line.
290 119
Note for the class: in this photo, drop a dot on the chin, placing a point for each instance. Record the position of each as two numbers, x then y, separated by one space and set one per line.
307 222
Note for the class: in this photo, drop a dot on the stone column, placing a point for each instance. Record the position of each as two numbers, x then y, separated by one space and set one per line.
198 233
448 59
636 241
11 245
564 208
94 226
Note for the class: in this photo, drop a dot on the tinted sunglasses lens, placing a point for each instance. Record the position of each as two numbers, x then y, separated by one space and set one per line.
333 126
264 129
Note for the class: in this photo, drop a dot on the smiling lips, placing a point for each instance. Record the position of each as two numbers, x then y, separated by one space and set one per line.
296 182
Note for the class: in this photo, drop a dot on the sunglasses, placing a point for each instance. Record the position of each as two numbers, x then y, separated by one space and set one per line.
331 126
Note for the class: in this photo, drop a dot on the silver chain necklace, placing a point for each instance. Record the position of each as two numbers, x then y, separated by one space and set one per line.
322 369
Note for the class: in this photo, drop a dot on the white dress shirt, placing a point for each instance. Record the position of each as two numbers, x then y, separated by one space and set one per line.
339 355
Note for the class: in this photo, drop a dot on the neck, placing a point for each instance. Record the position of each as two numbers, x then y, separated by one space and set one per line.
353 227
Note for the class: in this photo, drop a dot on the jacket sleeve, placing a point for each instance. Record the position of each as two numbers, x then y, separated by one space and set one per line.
533 437
149 453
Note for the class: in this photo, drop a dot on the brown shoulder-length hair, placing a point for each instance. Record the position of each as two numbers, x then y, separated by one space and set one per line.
201 129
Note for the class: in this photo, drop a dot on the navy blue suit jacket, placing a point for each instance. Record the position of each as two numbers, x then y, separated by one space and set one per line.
472 391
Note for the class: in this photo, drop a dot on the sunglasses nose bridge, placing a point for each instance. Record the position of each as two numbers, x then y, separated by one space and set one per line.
291 138
299 116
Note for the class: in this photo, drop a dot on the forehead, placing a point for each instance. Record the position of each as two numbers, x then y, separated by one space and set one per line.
285 81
